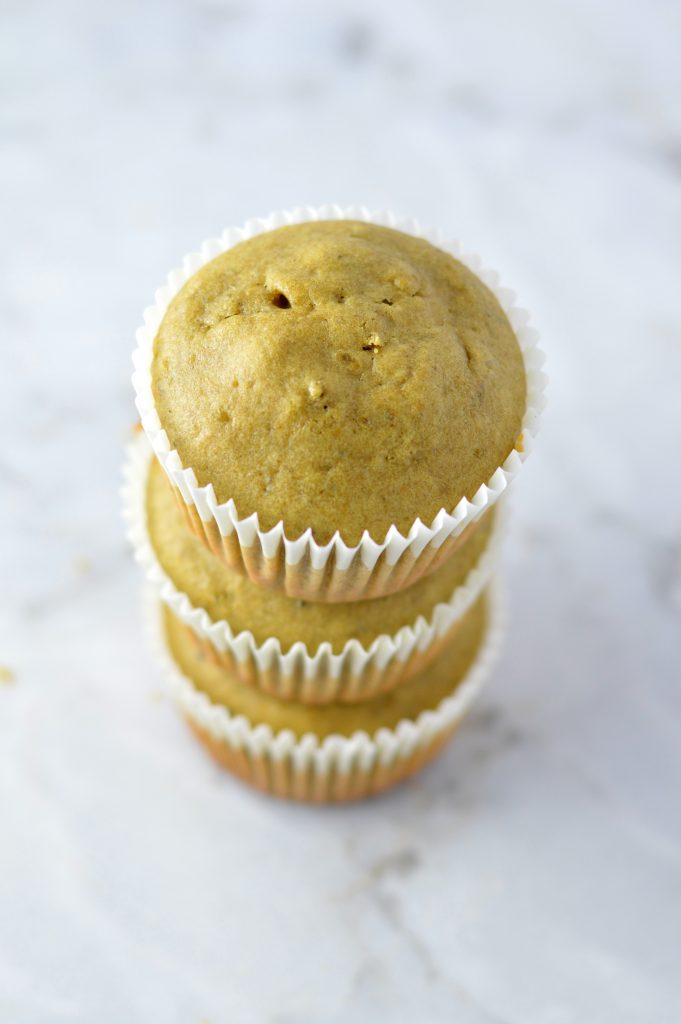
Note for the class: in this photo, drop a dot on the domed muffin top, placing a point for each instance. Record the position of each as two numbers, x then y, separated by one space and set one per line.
340 376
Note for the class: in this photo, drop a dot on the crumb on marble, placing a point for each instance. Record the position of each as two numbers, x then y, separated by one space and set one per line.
398 862
6 675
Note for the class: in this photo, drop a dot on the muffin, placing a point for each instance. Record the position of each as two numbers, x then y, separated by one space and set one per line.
330 400
340 376
337 752
293 649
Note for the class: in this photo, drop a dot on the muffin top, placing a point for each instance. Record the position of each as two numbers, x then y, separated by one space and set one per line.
228 595
340 376
424 691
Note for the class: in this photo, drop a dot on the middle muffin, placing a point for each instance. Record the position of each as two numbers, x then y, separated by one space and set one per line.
293 649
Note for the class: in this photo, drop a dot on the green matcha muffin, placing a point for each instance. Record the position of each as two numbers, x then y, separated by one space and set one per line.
336 399
340 376
338 752
226 595
297 650
423 692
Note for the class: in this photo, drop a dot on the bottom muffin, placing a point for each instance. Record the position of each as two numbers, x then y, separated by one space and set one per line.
337 752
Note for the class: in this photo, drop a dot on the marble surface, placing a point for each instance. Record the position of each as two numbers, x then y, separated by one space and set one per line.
533 875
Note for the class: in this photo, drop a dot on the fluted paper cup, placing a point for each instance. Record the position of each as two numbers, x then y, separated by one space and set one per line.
356 673
300 566
337 768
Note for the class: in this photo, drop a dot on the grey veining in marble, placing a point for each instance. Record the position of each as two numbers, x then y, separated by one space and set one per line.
533 875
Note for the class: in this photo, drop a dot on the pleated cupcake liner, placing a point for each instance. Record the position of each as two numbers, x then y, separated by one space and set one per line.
300 566
336 768
358 672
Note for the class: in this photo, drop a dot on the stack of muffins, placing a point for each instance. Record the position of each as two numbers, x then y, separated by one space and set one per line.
332 403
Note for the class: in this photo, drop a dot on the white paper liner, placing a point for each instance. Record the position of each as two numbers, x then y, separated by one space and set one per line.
336 768
299 565
356 673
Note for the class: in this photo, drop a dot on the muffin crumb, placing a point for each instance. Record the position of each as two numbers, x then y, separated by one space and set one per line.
373 344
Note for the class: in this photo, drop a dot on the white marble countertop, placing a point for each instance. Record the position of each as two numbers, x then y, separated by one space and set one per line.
533 875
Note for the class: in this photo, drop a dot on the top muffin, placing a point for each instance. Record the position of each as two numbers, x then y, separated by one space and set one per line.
340 376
